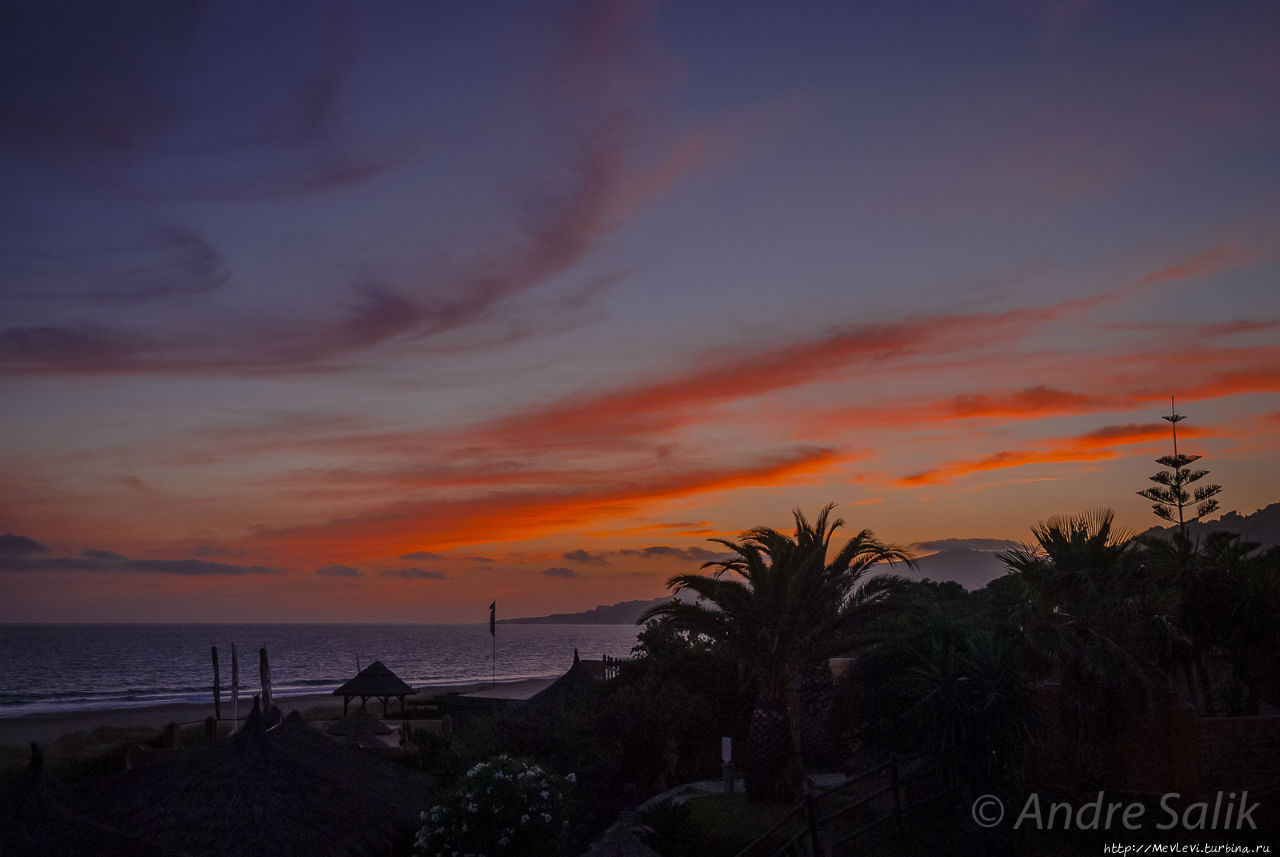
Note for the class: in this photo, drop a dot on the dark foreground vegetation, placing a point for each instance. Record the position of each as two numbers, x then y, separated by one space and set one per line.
1101 665
1100 662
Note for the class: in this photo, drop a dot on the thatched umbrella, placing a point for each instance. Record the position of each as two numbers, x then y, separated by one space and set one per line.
265 793
39 817
377 682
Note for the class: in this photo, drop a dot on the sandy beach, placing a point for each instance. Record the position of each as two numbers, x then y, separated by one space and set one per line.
48 727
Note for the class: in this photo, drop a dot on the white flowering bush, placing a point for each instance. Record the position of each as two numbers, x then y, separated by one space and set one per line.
504 806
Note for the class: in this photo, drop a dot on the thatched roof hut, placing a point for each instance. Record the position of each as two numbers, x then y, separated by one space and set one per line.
265 793
374 682
576 688
575 691
40 817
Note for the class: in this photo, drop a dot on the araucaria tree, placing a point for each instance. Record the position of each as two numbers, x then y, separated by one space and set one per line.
780 607
1171 500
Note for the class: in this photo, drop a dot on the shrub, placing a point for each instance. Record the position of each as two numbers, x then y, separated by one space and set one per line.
503 806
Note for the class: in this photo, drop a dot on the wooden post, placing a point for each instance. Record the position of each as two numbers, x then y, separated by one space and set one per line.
235 685
264 673
217 687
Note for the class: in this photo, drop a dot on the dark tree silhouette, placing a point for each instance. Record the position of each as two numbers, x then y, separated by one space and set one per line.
1170 499
779 606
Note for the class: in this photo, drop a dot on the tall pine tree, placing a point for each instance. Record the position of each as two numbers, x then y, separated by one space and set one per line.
1170 498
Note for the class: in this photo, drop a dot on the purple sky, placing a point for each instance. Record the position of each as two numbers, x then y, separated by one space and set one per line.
354 312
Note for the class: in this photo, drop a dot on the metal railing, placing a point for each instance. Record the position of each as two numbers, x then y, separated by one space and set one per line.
829 820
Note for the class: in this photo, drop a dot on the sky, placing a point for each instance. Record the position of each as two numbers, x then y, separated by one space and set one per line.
380 312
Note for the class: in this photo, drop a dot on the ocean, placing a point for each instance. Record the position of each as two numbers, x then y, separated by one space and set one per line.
46 668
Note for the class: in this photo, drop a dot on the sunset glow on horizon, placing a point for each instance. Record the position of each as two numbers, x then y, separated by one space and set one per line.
380 313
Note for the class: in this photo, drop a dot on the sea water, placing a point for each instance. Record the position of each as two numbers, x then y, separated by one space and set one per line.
45 668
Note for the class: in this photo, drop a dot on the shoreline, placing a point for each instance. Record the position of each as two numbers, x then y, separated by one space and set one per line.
46 728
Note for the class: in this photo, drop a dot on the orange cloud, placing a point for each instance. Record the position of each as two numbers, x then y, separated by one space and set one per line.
679 528
1096 445
612 419
1109 436
516 516
664 405
572 452
999 461
1132 380
1032 402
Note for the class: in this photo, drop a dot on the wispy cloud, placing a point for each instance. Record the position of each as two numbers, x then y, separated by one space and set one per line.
97 269
1097 445
12 545
385 528
558 212
585 557
1206 262
414 573
214 550
693 554
337 571
561 233
103 561
104 555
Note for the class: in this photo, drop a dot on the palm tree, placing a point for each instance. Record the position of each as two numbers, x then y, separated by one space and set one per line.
946 681
1227 599
1093 618
779 606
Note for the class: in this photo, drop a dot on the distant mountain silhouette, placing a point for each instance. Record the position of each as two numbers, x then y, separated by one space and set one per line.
972 569
1262 526
622 613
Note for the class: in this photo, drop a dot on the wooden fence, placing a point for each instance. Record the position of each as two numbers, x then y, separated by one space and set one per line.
611 666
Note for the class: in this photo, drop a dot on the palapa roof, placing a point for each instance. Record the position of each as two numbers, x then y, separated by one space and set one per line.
375 680
261 793
577 687
40 817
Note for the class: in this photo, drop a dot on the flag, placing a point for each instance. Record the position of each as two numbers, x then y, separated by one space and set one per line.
493 613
